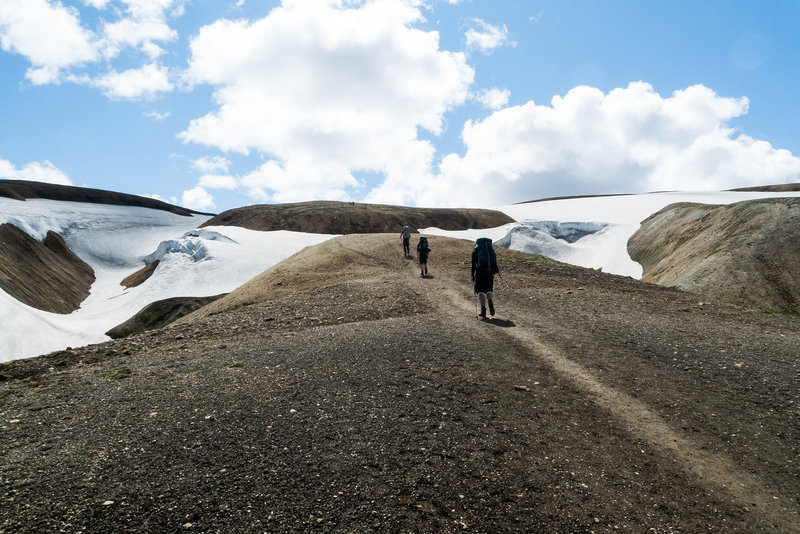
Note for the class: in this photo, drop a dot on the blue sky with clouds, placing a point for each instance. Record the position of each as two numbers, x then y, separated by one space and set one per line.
217 104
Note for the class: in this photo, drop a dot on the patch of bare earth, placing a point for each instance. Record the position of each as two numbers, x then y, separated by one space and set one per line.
342 392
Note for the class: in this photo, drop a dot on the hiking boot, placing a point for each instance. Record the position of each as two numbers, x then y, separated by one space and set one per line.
483 312
491 307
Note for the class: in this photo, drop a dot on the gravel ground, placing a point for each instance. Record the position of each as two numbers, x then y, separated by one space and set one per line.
590 403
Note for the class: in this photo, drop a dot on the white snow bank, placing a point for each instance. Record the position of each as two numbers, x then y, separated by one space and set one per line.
617 217
116 241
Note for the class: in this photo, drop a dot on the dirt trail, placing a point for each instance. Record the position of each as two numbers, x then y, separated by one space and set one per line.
341 392
713 470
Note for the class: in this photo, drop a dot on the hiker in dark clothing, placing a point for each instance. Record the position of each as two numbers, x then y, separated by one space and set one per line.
484 267
406 234
422 253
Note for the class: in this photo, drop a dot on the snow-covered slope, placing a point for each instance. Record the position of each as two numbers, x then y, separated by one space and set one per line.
608 223
117 241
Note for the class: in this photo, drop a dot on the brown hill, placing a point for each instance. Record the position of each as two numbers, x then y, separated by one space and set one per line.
746 252
22 189
47 276
159 314
779 188
342 392
350 218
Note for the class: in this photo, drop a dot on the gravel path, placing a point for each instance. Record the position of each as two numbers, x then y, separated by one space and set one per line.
376 402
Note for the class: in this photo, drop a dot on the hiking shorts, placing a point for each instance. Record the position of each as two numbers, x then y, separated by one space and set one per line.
484 282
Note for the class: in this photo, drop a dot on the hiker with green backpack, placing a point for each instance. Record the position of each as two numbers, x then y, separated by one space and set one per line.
484 267
423 249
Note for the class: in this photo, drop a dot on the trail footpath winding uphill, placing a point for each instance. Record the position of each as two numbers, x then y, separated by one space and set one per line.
340 391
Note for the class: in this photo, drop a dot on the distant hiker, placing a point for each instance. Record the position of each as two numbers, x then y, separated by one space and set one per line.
406 233
422 253
484 267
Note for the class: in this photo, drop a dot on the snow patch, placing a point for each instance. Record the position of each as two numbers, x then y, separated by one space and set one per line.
532 232
190 246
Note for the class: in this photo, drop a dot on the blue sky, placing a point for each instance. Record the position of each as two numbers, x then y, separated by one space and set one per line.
217 104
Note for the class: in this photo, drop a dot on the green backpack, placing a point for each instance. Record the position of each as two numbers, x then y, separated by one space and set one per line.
487 259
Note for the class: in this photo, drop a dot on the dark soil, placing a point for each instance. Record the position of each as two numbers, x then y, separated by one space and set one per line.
358 396
351 218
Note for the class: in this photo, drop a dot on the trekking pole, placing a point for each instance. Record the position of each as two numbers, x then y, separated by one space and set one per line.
475 298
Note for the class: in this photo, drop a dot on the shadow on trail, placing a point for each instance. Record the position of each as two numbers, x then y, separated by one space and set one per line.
503 323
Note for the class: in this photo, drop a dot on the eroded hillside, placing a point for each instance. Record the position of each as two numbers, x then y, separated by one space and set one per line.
47 275
745 253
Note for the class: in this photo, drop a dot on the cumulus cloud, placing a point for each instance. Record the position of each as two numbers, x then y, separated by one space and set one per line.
141 33
325 89
211 164
629 140
197 199
485 37
292 182
494 98
61 47
218 181
146 82
34 172
49 35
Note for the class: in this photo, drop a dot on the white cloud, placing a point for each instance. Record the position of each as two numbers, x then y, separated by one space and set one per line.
197 199
59 46
494 98
156 115
327 87
145 82
34 171
486 37
292 182
212 164
219 181
49 35
142 33
97 4
629 140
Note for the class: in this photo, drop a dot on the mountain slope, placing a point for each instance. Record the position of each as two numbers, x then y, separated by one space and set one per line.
47 275
746 252
23 189
324 217
342 392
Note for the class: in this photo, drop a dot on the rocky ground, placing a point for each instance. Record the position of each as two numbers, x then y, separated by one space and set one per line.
340 391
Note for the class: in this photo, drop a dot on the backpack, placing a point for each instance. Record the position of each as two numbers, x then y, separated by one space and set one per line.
423 244
487 259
